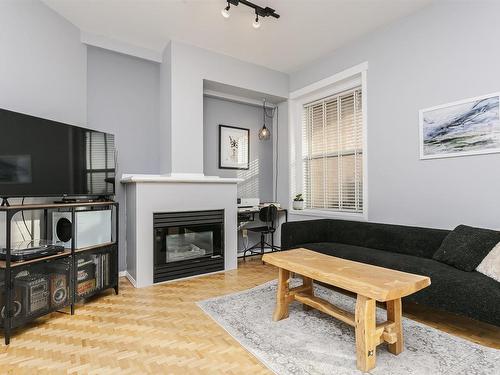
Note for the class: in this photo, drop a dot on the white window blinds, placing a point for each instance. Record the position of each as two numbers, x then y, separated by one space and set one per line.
100 161
332 153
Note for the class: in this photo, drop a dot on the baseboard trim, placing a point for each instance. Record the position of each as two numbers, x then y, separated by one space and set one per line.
130 278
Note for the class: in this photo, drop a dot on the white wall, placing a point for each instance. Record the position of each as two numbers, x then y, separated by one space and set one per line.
445 52
189 67
42 63
123 99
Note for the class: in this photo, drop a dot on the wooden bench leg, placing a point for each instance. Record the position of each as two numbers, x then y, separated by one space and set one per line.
282 299
394 312
307 281
365 325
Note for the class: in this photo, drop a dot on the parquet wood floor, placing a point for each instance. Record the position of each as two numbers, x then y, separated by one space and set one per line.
155 330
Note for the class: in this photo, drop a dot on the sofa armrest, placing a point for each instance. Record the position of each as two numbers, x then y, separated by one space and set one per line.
300 232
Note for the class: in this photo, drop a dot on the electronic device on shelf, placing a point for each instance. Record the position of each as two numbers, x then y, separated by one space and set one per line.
59 289
59 283
17 304
248 202
27 250
92 228
35 292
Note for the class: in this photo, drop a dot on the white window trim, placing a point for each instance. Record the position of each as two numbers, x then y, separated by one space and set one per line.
347 79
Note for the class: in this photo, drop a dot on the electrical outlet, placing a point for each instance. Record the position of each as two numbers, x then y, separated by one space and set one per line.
244 233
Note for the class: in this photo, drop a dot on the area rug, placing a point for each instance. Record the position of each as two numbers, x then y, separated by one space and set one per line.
310 342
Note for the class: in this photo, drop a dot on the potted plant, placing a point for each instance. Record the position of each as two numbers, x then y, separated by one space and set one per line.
298 202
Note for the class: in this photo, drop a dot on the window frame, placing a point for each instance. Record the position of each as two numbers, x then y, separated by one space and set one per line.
331 86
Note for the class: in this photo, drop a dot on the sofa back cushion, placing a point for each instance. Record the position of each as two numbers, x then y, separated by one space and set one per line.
421 242
465 247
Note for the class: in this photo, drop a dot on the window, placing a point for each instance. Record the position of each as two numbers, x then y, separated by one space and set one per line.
332 152
100 160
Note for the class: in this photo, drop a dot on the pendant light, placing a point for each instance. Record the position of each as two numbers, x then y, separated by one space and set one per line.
264 133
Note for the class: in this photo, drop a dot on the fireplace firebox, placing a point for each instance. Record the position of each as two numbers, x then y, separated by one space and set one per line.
187 244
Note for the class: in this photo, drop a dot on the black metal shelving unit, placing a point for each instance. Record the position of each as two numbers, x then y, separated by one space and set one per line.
62 266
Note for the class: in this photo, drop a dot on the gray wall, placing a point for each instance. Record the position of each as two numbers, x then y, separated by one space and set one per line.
42 63
259 178
189 67
123 98
445 52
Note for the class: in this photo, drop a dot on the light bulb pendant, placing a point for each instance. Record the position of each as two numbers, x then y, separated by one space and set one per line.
264 133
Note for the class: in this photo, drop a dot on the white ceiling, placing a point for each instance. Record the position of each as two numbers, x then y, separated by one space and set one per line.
307 29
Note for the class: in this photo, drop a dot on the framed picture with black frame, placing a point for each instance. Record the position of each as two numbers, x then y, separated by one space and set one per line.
234 147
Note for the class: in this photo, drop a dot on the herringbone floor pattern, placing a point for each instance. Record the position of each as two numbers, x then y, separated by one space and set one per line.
160 330
155 330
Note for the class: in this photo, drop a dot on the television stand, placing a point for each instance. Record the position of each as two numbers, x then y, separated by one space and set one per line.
22 279
5 202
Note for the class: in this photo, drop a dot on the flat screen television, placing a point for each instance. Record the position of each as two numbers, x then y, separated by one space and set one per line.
42 158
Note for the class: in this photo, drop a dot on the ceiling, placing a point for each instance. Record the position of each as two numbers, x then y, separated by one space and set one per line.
307 29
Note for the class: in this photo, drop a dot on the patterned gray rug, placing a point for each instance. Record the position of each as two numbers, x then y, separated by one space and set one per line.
310 342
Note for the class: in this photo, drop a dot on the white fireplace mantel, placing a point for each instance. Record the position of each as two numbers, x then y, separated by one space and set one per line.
177 178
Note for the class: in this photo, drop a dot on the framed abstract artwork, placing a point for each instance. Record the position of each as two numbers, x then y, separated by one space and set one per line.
466 127
234 147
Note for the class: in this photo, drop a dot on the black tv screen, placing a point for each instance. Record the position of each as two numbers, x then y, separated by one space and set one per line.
41 158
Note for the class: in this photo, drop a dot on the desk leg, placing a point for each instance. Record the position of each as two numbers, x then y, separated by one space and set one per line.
394 312
282 300
365 325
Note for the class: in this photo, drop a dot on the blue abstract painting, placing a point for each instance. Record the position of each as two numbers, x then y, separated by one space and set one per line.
467 127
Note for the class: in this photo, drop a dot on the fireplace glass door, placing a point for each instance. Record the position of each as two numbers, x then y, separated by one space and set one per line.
187 244
188 239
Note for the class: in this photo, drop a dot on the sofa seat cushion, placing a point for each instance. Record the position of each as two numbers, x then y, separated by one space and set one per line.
451 289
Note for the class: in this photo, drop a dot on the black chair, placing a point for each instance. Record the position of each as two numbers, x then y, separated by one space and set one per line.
268 216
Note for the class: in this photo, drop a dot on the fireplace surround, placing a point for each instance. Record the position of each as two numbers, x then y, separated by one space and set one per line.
187 243
150 194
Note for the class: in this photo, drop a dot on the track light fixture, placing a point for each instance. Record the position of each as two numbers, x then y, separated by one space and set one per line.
259 11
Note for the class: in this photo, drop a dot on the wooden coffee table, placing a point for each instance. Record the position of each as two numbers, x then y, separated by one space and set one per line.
370 283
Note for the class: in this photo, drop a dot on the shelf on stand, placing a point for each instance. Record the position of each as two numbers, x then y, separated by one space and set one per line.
65 253
43 206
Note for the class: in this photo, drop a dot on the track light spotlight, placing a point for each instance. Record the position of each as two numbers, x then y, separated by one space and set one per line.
225 12
256 23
